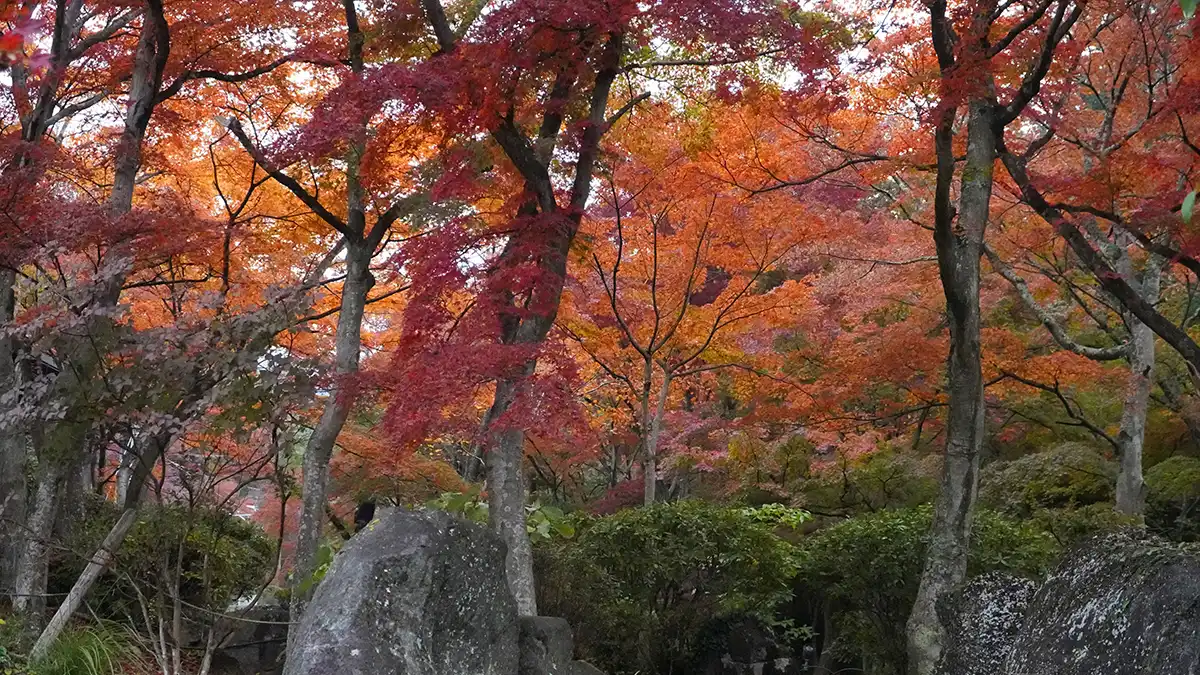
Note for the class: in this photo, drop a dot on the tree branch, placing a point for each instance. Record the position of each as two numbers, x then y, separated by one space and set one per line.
285 180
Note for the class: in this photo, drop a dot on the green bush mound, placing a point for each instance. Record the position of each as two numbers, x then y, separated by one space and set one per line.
640 586
1069 476
863 574
1173 498
1067 491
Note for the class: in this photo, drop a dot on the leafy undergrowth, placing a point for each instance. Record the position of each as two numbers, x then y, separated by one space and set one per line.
97 649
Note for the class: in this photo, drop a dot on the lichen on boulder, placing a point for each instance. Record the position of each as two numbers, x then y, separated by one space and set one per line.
416 593
984 618
1125 603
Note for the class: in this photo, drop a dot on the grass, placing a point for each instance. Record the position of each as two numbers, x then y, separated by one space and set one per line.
98 649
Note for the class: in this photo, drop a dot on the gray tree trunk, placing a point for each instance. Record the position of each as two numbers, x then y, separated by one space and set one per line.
1131 488
506 500
12 451
30 591
653 427
61 448
959 247
95 567
153 448
340 400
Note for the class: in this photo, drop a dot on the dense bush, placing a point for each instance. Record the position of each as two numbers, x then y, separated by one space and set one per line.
1173 498
639 585
1071 475
887 478
864 573
212 555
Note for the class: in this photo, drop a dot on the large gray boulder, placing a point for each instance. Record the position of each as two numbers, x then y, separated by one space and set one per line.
415 593
1126 603
984 619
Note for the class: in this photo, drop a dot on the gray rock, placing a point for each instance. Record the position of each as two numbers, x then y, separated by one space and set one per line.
984 618
546 645
256 638
1125 603
414 593
583 668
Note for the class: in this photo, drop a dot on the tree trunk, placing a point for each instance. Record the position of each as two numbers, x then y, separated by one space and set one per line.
652 428
12 451
30 590
154 448
1131 489
959 246
95 567
62 446
339 402
506 500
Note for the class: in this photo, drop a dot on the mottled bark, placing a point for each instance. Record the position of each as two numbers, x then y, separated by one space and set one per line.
338 404
12 451
959 247
91 573
506 504
652 427
30 588
153 448
1131 488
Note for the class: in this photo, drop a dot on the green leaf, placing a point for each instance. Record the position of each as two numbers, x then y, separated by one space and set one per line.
1189 202
1189 9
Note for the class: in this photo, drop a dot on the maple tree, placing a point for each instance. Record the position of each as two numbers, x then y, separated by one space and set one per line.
337 254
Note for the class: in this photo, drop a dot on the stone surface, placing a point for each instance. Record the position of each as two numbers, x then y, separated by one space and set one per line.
582 668
1124 603
546 645
414 593
257 642
984 619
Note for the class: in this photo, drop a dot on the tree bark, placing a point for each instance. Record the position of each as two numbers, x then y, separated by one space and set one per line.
338 404
959 247
506 503
1131 488
154 448
12 451
652 427
30 589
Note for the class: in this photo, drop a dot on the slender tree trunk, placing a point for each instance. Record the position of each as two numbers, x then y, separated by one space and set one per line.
653 427
1131 488
30 591
959 247
100 561
340 400
12 451
649 471
506 499
63 446
95 567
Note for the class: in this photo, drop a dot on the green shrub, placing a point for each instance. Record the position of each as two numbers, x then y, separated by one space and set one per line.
865 571
887 478
1070 526
1071 475
639 585
219 557
1173 498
